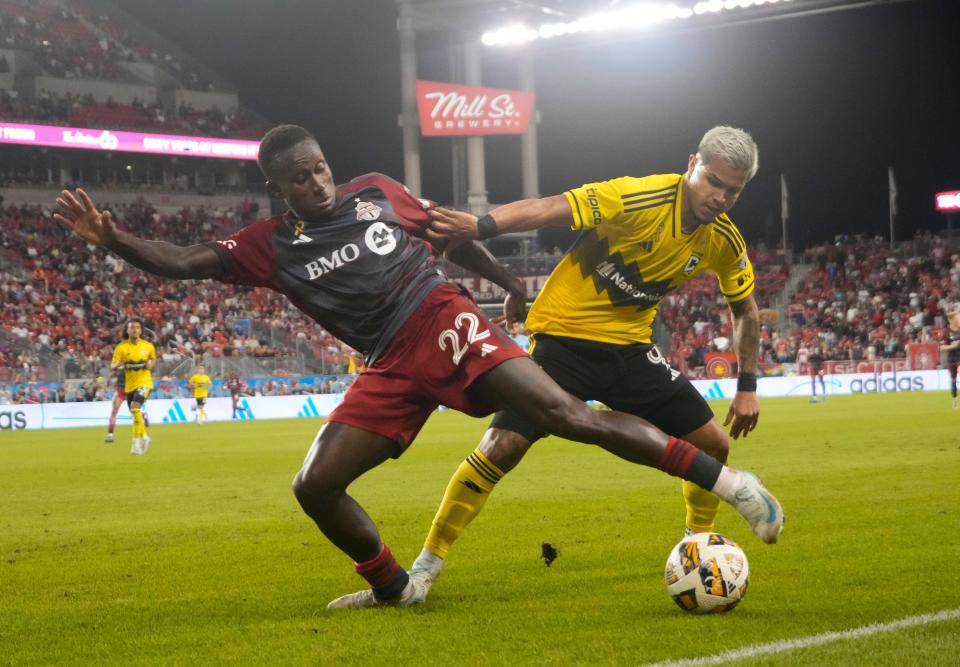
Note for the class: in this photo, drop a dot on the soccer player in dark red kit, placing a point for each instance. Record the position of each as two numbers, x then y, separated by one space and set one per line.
236 387
953 353
354 258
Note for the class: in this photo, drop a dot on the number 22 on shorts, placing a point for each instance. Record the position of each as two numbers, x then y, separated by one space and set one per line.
472 323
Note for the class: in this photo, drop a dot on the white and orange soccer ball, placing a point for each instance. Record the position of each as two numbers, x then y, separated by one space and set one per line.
707 573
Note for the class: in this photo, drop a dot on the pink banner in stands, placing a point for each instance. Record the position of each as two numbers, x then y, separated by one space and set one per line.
133 142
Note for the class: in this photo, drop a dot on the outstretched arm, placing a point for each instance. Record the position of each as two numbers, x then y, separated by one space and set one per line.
477 259
518 216
78 213
744 411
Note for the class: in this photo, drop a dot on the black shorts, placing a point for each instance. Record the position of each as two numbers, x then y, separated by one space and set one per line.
137 396
630 378
200 402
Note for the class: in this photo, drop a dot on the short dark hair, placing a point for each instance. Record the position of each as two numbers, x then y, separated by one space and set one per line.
280 139
126 334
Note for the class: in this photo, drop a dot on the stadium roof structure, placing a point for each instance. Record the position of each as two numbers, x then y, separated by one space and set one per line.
470 15
557 24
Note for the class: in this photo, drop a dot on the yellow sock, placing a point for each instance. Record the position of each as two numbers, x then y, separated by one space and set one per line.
702 507
138 428
466 494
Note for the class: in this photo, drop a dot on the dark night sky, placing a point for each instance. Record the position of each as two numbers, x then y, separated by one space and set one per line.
832 100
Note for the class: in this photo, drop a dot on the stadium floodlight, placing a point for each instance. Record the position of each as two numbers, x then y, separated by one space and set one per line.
635 17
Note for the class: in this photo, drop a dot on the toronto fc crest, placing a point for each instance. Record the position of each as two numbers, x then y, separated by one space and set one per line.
367 211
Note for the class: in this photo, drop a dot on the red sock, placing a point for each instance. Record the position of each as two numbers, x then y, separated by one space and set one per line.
384 574
681 459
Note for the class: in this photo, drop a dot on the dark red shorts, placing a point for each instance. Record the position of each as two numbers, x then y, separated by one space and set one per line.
120 393
433 360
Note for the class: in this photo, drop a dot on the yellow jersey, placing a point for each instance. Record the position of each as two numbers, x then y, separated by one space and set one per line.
631 252
201 384
135 353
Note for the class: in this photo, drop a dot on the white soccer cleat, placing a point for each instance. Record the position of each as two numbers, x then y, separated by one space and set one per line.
109 438
759 507
135 447
414 593
144 444
429 563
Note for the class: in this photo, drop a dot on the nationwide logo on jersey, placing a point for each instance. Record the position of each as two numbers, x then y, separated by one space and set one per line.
298 233
611 274
367 211
742 264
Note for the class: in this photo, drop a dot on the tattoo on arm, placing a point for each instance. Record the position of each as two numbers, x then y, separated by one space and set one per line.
746 327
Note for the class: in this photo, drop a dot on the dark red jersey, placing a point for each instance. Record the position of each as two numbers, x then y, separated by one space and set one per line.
235 385
360 272
953 356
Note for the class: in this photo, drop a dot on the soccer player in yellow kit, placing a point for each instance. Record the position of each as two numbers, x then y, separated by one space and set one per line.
593 321
136 356
200 383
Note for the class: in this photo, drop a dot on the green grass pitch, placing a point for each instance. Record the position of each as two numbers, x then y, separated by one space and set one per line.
198 554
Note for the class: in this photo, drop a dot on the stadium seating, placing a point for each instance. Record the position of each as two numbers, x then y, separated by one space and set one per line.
78 42
64 303
64 299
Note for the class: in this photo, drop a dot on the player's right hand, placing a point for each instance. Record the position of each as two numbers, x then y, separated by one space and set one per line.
79 214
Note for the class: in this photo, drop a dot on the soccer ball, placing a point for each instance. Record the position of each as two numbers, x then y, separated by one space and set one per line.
707 573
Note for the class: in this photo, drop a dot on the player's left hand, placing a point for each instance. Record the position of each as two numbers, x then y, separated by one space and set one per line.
744 412
449 224
514 311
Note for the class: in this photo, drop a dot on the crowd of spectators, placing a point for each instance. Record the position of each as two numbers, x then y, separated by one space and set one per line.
65 299
64 302
866 301
697 317
77 42
59 41
860 301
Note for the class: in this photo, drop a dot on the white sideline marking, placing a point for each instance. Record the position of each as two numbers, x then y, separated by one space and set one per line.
813 640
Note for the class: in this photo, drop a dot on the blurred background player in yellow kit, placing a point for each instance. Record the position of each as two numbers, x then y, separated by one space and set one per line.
200 383
136 356
119 396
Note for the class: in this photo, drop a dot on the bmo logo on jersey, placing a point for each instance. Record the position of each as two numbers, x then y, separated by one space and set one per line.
378 238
